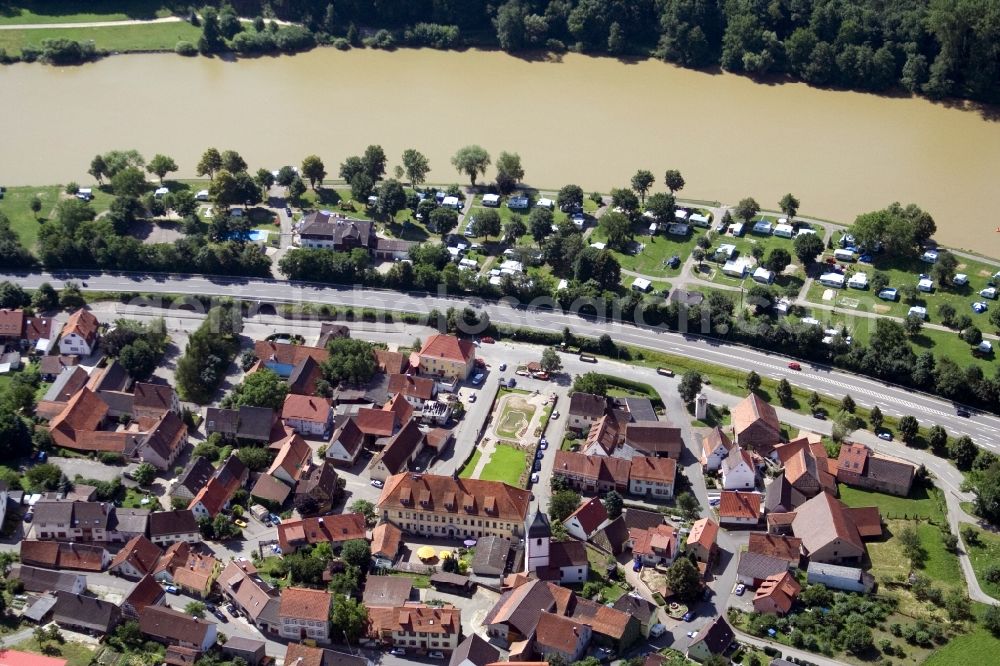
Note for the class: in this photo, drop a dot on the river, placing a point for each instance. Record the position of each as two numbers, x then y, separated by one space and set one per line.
592 121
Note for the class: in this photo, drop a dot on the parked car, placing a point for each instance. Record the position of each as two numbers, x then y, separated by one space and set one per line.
377 483
171 589
538 466
472 398
740 589
239 522
28 517
544 445
637 566
436 654
885 435
477 379
819 414
657 630
503 366
555 415
534 478
511 383
688 616
398 652
692 634
219 614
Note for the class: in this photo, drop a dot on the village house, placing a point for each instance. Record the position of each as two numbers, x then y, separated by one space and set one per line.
701 541
345 443
386 541
251 423
805 467
335 529
164 442
738 470
50 367
491 557
250 650
415 390
73 521
321 485
785 548
592 474
584 410
560 561
79 334
293 458
167 527
754 568
323 230
146 592
173 627
634 605
859 466
419 627
586 519
78 612
308 415
652 477
34 579
399 454
713 639
561 636
739 508
444 506
304 613
186 567
654 546
387 591
835 577
11 325
77 426
756 425
447 357
215 496
152 401
776 594
194 477
255 599
658 439
474 651
715 447
63 555
136 559
831 532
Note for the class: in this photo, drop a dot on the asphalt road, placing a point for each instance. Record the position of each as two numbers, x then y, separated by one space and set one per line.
894 400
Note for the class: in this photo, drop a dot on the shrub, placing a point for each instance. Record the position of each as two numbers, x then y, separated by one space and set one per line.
434 35
341 44
72 187
254 42
382 39
111 458
66 51
185 48
294 38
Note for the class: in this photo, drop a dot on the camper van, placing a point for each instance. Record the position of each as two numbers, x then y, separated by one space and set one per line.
843 255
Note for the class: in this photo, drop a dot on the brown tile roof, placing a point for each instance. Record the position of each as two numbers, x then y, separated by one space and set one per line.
390 362
663 470
214 495
559 633
376 422
852 458
153 396
591 513
253 594
387 591
172 625
717 636
751 410
402 409
598 468
386 539
605 432
174 556
443 620
38 328
305 604
567 554
734 504
297 654
349 435
602 619
418 387
781 589
83 413
53 365
271 489
448 347
703 533
197 572
822 519
59 555
287 354
401 448
322 529
782 547
654 437
470 496
168 435
144 593
293 457
867 520
83 323
140 552
587 405
306 408
11 323
642 519
519 607
651 541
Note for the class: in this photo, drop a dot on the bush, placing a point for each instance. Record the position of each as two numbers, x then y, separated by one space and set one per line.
111 458
341 44
66 51
434 35
254 42
294 38
185 48
72 187
382 39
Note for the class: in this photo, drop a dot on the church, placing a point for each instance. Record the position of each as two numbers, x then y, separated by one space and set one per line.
560 562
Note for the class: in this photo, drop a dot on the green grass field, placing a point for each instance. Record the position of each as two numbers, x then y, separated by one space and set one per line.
922 503
470 466
985 555
75 654
972 649
506 464
66 11
657 249
889 562
16 205
151 37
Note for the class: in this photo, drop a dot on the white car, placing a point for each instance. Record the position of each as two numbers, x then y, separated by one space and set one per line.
692 634
472 397
436 654
399 652
377 483
534 477
740 589
657 630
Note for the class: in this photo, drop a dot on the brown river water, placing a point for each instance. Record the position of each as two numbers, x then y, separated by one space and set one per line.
592 121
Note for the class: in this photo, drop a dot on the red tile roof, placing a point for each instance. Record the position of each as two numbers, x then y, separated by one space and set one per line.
448 347
386 539
376 422
591 513
654 540
751 410
304 604
306 408
559 633
11 323
140 552
287 354
663 470
16 658
734 504
782 547
74 427
463 497
293 457
596 468
215 494
83 323
335 528
781 589
418 387
297 654
703 533
402 409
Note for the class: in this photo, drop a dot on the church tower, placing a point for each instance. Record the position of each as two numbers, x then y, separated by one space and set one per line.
537 542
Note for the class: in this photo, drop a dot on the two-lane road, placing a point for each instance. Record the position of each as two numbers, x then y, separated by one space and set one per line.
893 400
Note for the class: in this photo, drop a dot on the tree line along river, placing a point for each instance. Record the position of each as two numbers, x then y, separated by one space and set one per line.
592 121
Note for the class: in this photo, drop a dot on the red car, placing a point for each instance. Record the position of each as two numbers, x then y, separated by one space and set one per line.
794 366
487 340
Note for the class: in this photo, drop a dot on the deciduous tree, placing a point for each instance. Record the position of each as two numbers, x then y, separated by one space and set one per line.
563 503
161 165
313 170
746 209
789 205
673 180
642 181
807 247
472 161
416 166
509 171
689 386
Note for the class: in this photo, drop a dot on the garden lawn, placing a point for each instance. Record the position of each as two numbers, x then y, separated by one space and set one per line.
471 465
148 37
984 556
889 562
656 250
67 11
507 464
922 503
972 649
75 654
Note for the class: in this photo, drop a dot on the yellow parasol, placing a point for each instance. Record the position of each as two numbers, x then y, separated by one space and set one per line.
425 553
444 554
